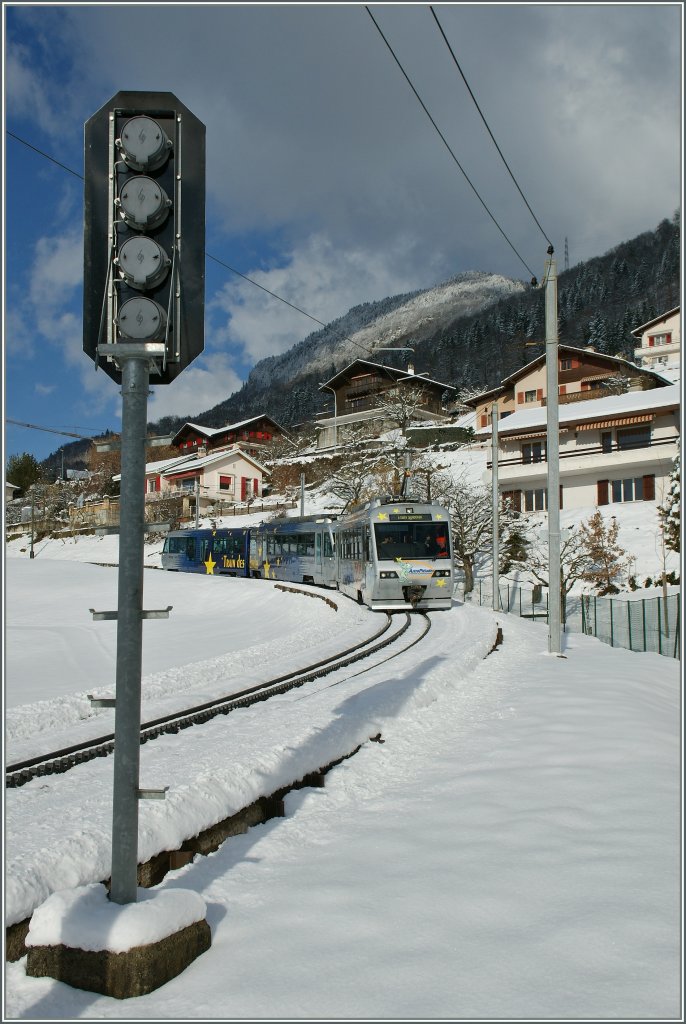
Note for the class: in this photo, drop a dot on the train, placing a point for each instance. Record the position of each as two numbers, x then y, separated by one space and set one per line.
391 555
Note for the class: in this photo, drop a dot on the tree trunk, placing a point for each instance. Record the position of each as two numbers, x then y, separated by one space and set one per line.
468 576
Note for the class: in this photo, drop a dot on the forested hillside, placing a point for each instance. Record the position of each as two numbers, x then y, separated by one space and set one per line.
599 302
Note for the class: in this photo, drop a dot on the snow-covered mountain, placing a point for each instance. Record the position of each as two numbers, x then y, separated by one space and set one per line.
366 328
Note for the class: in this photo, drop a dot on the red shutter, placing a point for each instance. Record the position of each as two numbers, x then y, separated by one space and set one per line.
484 420
649 487
603 492
520 397
576 363
158 483
539 394
651 342
563 389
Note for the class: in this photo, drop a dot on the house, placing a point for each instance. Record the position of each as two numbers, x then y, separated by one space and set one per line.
10 490
583 374
253 435
358 388
615 449
659 345
225 475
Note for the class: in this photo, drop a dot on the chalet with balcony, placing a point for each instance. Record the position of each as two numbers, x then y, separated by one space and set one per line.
229 475
583 374
253 436
659 345
358 388
615 449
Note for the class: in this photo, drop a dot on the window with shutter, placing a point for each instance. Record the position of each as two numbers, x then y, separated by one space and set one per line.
649 487
603 492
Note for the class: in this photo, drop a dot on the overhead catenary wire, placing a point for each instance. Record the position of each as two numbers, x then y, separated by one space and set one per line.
447 145
215 259
469 90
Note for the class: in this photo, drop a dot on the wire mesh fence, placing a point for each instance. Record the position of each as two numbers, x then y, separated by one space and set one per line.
636 624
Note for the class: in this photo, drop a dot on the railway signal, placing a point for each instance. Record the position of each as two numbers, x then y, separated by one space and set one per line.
143 315
144 234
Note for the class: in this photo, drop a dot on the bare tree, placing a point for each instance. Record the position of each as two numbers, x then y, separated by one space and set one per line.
399 405
574 563
362 471
471 521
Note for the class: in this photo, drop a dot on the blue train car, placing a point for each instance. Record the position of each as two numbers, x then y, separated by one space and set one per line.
297 550
222 552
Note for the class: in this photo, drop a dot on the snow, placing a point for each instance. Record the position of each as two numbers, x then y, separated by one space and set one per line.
510 850
85 918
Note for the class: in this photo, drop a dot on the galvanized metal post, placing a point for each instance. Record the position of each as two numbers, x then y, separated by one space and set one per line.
552 453
302 494
127 720
495 504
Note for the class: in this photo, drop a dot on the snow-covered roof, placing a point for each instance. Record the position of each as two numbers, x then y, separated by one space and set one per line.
658 399
392 370
656 320
233 453
213 431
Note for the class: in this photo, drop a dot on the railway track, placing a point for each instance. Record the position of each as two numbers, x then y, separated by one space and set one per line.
390 641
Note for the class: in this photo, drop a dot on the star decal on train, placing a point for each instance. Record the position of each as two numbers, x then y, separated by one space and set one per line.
382 516
209 565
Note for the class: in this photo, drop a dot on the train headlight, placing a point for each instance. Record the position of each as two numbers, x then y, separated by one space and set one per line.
388 575
441 572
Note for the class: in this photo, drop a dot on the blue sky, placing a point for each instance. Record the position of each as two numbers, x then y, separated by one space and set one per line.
326 182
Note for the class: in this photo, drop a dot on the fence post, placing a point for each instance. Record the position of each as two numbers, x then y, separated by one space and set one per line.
612 626
676 635
583 616
628 612
659 625
595 615
645 641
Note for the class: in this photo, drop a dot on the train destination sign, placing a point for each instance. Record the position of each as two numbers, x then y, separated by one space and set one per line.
410 517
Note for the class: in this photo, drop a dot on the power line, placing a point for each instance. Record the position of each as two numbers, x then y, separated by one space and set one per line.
446 144
49 430
221 263
457 65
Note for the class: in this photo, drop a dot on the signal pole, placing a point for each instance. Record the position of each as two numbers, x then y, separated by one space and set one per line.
552 452
495 504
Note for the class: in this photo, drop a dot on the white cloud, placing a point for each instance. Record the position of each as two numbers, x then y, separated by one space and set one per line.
208 381
318 278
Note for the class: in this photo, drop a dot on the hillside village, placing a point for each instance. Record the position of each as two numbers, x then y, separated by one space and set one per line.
619 443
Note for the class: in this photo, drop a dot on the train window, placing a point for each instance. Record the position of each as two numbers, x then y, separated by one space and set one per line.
305 544
273 546
328 546
181 546
412 540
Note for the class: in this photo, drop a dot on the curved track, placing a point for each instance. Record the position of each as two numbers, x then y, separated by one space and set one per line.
58 761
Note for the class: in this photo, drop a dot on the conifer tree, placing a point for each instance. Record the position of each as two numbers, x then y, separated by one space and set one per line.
670 509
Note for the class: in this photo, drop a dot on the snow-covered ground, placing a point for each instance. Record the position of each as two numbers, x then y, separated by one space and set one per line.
510 851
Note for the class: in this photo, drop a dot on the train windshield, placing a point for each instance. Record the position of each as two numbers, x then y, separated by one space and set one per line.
412 540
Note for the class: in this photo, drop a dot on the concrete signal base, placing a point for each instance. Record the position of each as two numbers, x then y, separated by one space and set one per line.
81 937
134 972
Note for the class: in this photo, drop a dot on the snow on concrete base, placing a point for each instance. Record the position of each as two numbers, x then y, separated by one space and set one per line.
81 938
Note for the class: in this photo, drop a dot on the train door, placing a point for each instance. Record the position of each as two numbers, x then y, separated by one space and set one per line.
325 556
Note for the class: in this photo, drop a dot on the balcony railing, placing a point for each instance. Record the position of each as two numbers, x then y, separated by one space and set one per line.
595 449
